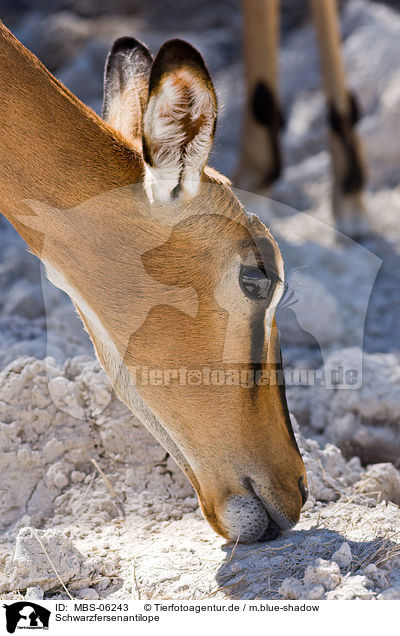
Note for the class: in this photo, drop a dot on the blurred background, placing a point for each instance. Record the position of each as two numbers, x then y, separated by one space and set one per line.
72 38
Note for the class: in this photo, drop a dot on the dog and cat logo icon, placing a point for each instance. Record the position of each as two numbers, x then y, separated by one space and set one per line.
26 615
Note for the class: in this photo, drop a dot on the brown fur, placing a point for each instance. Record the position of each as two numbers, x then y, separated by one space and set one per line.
150 283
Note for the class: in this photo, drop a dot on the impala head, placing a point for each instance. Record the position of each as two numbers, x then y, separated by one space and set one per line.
218 392
169 275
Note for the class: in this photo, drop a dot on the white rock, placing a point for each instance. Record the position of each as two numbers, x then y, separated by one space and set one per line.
291 588
88 593
366 421
77 477
381 481
352 587
390 594
65 395
30 566
343 556
323 573
34 593
377 576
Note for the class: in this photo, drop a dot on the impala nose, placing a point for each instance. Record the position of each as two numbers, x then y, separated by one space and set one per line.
303 490
273 530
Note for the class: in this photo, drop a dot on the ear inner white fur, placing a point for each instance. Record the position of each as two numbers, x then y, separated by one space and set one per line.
178 129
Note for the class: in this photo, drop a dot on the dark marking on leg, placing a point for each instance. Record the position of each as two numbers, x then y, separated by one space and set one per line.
355 110
353 179
265 108
267 112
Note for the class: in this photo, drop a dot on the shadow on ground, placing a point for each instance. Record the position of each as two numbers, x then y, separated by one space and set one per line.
257 571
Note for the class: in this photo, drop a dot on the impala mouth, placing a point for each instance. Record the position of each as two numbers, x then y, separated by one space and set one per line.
272 532
251 519
277 521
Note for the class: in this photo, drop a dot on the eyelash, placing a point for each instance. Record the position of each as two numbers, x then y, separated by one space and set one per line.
259 276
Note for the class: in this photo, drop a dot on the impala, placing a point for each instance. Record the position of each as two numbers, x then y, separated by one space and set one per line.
260 160
163 265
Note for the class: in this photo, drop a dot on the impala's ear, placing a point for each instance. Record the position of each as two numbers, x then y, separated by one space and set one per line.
126 81
178 122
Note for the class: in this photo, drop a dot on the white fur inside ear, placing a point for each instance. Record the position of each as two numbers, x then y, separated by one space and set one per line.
159 184
181 105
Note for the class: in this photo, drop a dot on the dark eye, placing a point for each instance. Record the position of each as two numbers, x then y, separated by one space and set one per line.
256 284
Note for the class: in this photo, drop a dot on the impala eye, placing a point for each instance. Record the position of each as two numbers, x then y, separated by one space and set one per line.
256 283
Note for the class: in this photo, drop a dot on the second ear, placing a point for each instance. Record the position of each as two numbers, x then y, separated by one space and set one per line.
178 122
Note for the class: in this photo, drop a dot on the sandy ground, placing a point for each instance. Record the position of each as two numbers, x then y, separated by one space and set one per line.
86 494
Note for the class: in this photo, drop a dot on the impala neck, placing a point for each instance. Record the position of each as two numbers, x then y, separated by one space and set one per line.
53 148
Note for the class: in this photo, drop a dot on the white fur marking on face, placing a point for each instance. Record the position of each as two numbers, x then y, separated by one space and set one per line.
277 295
181 100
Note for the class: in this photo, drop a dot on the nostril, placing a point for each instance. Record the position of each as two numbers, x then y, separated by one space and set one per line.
303 490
